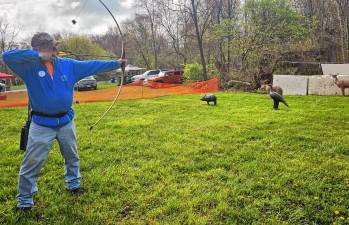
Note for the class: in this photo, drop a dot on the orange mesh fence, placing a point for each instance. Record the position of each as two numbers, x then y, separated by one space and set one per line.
136 90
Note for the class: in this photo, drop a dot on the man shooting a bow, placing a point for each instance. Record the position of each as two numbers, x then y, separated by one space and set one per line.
50 84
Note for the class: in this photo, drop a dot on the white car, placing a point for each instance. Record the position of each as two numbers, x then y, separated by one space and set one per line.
148 75
162 74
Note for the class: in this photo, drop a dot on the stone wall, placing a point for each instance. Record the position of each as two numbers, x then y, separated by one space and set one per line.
292 84
312 85
324 85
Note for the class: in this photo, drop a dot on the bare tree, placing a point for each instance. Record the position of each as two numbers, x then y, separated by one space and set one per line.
343 15
201 12
173 20
149 7
332 29
226 15
137 32
8 34
110 41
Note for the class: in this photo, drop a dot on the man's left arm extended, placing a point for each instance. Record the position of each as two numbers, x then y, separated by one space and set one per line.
87 68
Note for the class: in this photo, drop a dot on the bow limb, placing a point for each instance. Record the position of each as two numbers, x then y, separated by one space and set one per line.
123 66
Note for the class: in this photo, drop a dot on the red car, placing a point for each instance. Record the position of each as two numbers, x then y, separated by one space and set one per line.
170 77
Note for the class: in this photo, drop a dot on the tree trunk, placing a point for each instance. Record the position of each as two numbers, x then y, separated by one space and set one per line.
229 37
145 59
199 38
151 14
348 34
154 46
341 31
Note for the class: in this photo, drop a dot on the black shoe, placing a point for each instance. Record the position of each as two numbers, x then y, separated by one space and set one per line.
23 209
77 191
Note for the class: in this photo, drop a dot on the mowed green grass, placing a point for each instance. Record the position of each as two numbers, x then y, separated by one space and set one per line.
175 160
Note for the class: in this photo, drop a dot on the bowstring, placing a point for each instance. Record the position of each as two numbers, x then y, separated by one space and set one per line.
122 68
122 65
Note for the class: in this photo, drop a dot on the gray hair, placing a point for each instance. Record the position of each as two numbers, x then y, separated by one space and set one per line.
43 40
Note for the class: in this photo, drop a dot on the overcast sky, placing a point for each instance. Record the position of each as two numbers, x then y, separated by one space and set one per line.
55 15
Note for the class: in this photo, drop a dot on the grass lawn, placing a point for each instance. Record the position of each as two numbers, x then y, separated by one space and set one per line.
105 84
18 87
175 160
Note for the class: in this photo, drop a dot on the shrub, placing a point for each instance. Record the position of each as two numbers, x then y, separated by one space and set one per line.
193 72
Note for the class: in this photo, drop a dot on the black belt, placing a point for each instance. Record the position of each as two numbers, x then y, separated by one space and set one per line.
58 115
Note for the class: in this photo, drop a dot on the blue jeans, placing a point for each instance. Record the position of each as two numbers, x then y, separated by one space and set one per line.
39 144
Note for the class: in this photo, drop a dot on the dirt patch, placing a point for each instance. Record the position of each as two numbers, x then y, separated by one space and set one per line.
132 91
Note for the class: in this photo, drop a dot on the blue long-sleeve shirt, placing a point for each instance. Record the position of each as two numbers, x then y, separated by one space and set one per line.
52 95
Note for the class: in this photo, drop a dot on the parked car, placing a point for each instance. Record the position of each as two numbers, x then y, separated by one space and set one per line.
171 77
2 87
150 74
87 83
